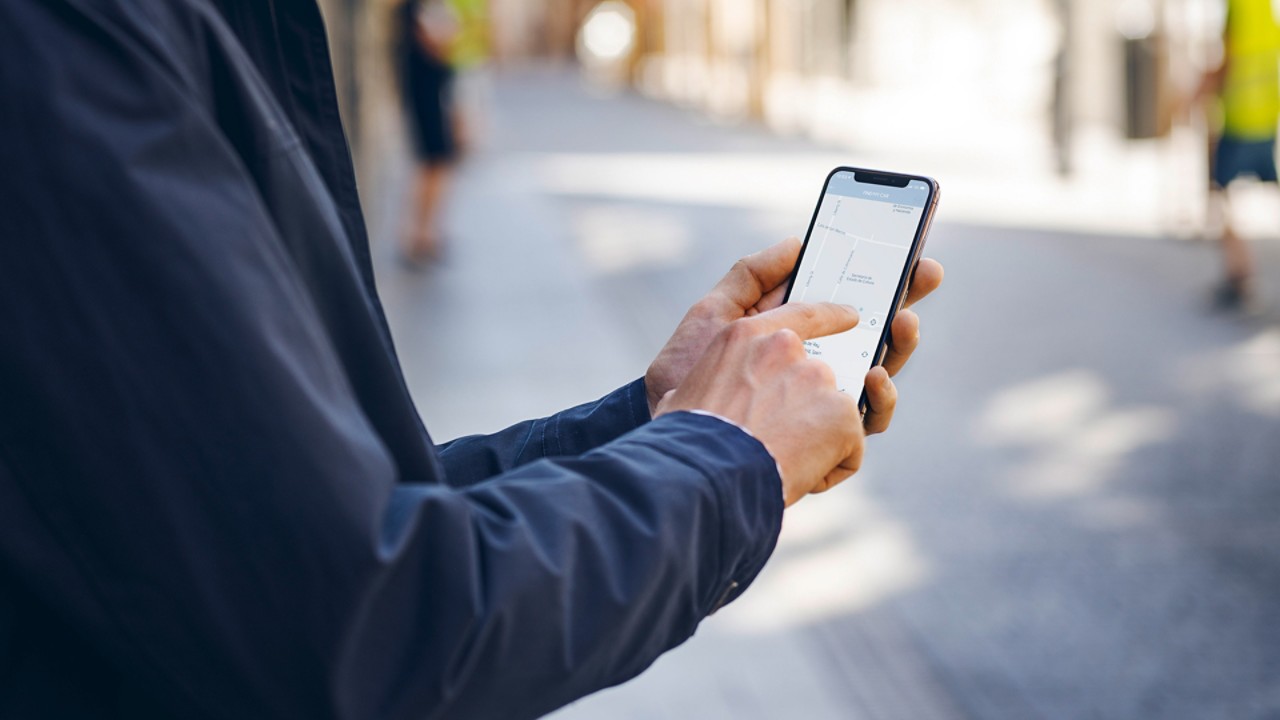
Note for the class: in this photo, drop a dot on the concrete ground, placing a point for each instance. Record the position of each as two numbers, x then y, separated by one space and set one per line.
1075 514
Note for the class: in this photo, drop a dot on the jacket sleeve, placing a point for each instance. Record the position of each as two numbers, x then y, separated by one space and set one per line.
474 458
187 479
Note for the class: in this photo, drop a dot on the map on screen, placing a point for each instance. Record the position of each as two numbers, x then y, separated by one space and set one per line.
856 253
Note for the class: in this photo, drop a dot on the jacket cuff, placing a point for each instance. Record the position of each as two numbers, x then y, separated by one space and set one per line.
638 401
586 427
748 491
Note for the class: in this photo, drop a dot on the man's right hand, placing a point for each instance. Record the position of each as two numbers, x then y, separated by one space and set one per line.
757 374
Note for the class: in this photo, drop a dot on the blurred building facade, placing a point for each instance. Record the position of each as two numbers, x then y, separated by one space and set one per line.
856 71
831 68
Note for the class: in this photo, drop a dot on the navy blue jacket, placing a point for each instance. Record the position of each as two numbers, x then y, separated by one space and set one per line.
217 499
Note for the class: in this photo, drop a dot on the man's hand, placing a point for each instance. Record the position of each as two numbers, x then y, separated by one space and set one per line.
756 373
757 284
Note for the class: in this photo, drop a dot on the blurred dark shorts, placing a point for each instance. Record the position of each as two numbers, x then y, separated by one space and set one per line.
1234 157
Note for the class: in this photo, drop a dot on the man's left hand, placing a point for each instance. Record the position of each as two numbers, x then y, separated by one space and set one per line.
757 283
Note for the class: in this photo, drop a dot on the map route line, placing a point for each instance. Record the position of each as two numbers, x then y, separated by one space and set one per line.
838 231
844 272
880 242
821 248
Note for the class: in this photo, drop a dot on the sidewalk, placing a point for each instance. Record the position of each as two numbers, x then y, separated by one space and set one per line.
1072 517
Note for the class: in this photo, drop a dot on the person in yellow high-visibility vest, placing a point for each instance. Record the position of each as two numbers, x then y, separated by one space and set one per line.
469 55
1247 85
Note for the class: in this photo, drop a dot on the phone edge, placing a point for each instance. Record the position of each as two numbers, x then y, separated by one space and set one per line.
904 282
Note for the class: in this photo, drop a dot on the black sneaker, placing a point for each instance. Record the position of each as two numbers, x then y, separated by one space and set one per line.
1232 295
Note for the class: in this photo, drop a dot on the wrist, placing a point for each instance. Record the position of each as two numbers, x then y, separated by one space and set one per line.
782 484
651 397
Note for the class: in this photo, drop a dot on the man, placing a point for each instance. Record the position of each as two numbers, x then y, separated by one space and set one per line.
216 497
1247 82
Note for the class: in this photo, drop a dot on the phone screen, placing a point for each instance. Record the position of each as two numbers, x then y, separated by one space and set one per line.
862 240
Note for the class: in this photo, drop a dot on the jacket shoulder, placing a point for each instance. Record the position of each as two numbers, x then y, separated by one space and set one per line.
166 35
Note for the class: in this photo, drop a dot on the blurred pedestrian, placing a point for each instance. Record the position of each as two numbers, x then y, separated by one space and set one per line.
427 29
469 55
1247 86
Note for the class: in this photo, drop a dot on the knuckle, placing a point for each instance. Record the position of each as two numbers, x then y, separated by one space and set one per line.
886 393
819 372
739 331
706 307
839 474
879 425
853 458
906 344
783 342
854 463
743 272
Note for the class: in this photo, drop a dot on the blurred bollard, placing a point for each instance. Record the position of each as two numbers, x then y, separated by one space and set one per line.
1146 114
1062 116
1142 87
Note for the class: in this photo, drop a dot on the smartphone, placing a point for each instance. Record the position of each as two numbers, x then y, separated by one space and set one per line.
862 246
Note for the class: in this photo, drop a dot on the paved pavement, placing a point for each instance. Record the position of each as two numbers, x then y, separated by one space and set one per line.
1075 515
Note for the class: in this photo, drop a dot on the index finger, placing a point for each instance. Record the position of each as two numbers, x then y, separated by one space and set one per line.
808 320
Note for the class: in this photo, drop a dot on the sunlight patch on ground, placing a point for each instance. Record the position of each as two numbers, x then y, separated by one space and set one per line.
839 555
1075 438
1254 368
1246 374
1042 411
619 238
1136 190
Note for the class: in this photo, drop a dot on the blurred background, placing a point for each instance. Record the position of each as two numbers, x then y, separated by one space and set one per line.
1077 512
